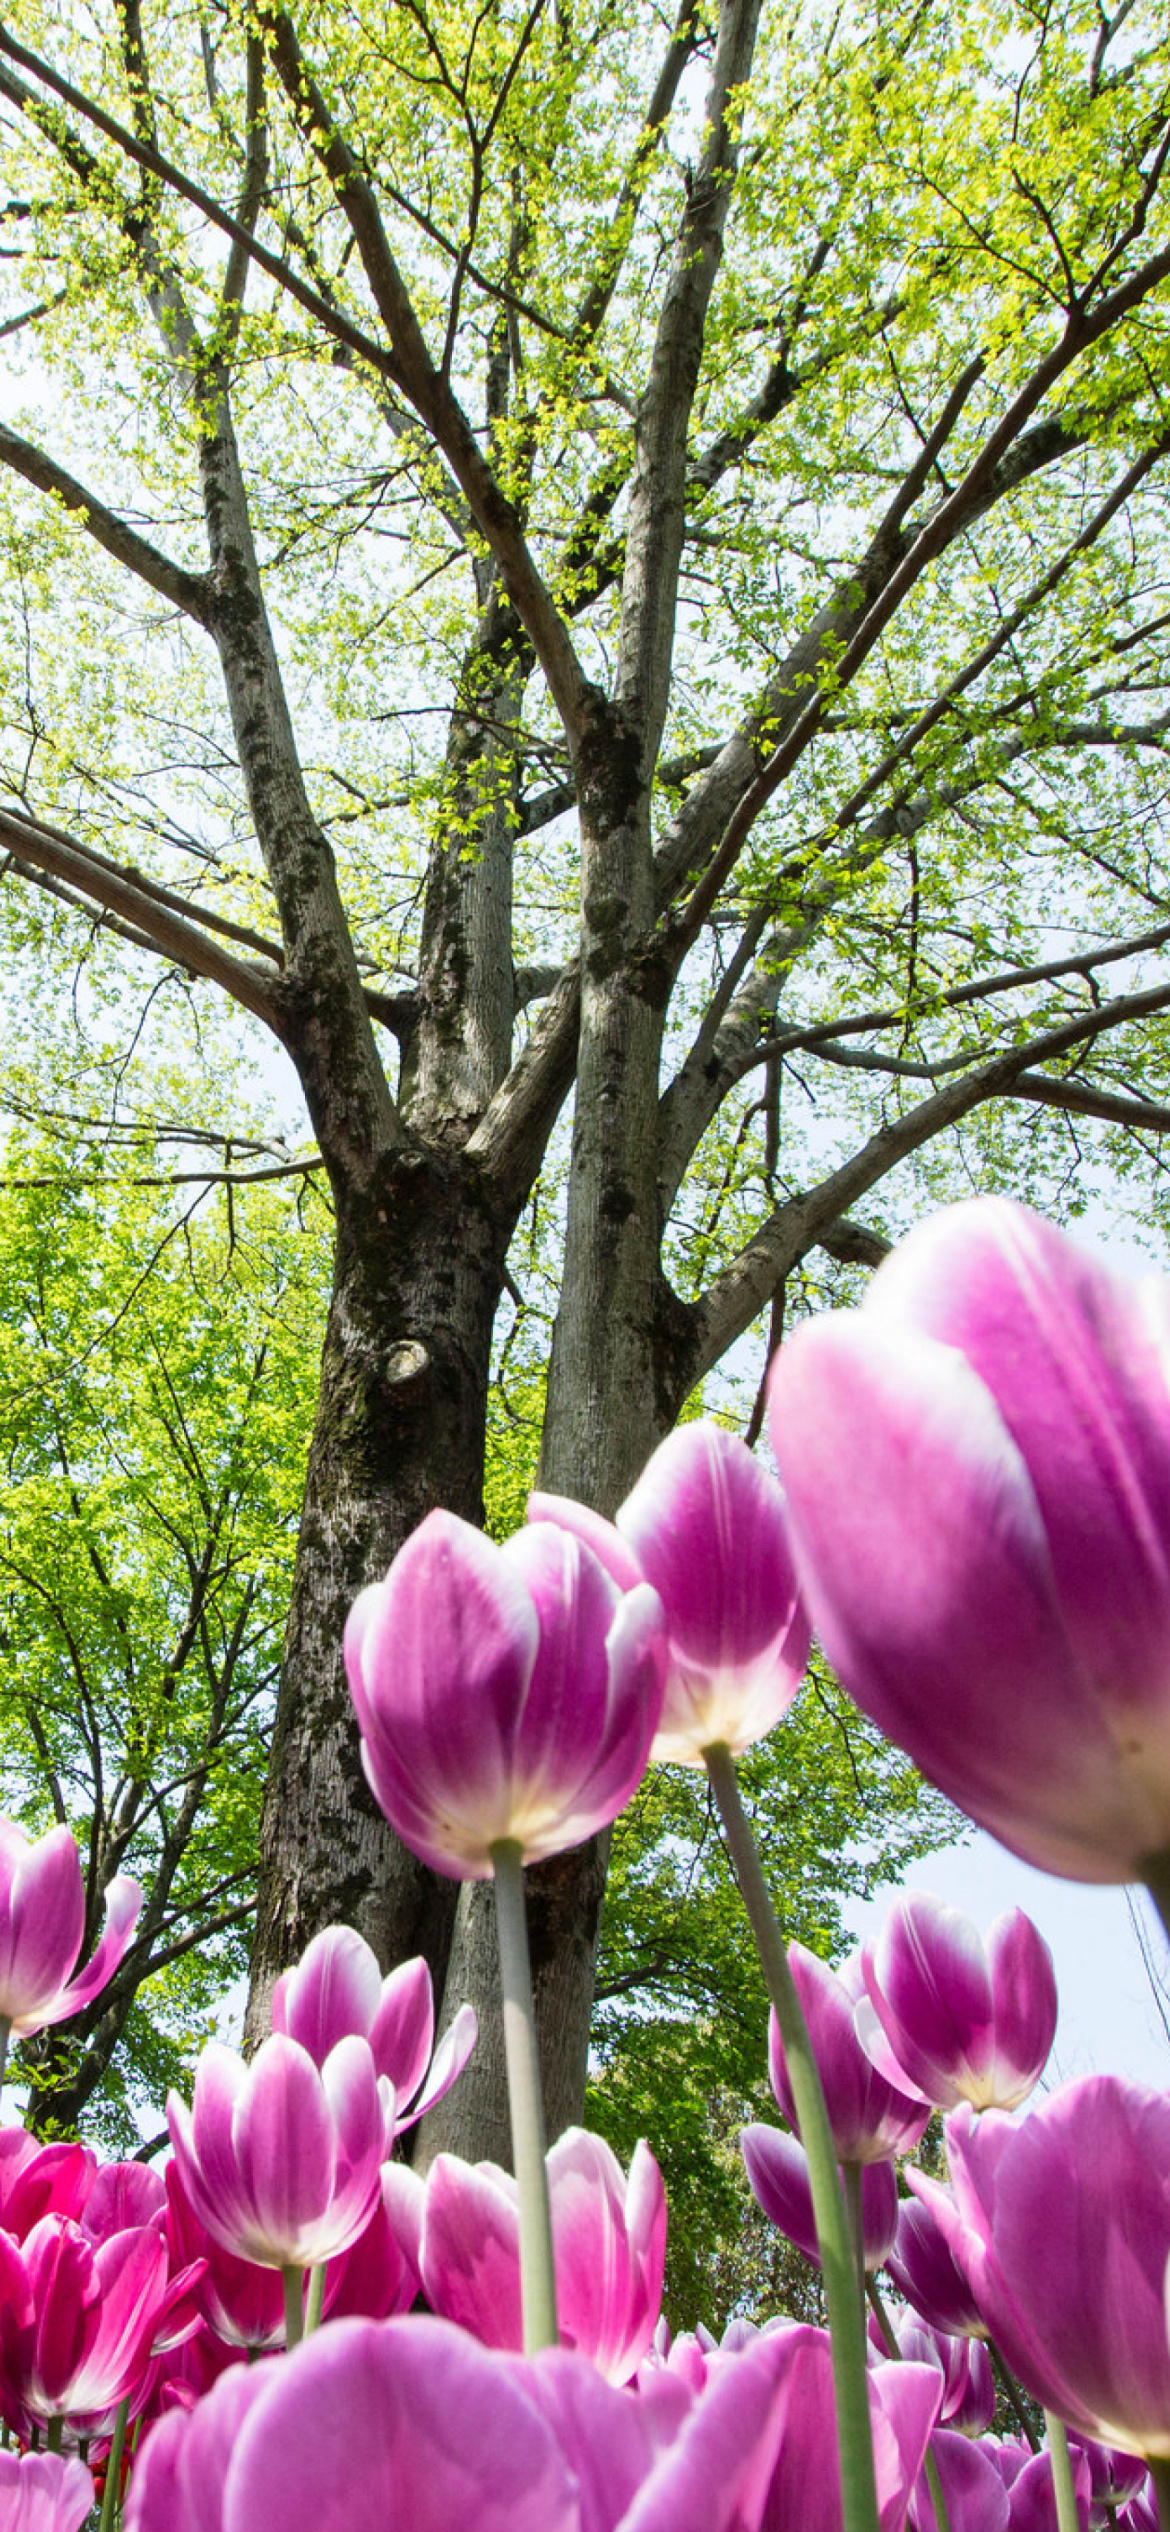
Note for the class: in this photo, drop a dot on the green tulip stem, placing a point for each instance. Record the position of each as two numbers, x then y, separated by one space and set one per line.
1011 2392
890 2344
838 2266
538 2284
1159 2469
294 2306
855 2213
5 2036
1067 2517
54 2432
109 2513
315 2298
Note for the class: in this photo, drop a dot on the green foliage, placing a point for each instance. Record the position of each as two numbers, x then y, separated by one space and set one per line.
680 2039
158 1358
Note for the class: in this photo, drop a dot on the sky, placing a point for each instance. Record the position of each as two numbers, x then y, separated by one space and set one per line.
1109 2022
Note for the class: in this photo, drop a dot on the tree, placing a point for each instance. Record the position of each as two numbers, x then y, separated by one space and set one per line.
155 1401
623 561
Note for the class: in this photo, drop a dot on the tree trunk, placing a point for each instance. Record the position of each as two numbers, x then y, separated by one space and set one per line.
400 1428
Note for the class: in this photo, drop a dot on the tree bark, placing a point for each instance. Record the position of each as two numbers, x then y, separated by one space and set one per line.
400 1428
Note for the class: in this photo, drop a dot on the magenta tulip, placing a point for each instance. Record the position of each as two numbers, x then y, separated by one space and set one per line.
926 2273
952 2017
968 2400
870 2118
609 2245
1032 2496
1063 2225
42 1925
43 2492
337 1988
38 2180
777 2168
177 2483
77 2323
973 2488
978 1473
279 2161
504 1694
706 1526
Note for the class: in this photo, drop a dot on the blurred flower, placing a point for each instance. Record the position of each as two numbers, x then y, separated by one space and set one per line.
38 2180
503 1693
43 2492
978 1472
953 2017
42 1924
706 1526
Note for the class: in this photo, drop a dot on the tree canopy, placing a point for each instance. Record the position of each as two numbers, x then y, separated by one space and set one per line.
597 582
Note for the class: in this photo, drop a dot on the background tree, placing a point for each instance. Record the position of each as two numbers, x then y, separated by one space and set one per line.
655 592
156 1391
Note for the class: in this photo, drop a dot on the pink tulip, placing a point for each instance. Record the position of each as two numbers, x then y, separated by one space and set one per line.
43 2492
978 1474
925 2271
777 2168
503 1693
706 1526
281 2162
953 2018
123 2195
1062 2224
609 2245
42 1924
1032 2496
974 2491
78 2324
337 1988
871 2118
38 2180
968 2401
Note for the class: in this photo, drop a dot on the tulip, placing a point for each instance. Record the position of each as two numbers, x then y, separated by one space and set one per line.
968 2401
506 1695
1032 2496
279 2162
337 1988
38 2180
43 2492
951 2017
1063 2226
706 1526
973 2490
42 1926
777 2168
926 2273
870 2118
978 1474
78 2323
609 2245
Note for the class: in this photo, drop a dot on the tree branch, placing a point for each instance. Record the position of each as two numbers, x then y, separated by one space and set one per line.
183 589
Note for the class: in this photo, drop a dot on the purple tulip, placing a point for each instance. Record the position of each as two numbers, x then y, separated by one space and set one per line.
870 2118
78 2323
609 2247
954 2018
1032 2496
978 1473
706 1526
337 1988
777 2168
42 1925
974 2493
968 2401
904 2404
43 2492
503 1693
1063 2225
282 2163
926 2273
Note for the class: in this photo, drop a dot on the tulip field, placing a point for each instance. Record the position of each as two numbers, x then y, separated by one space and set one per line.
291 2328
